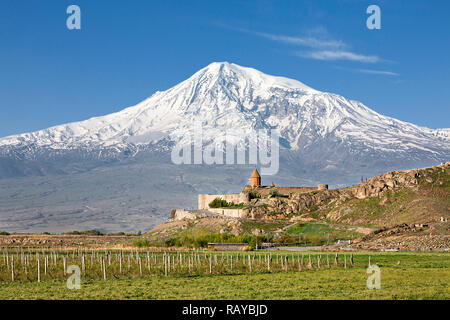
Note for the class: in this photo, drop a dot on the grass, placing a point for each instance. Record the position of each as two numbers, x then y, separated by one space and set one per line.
249 226
409 275
318 233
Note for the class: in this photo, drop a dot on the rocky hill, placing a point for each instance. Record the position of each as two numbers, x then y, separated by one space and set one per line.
396 210
411 196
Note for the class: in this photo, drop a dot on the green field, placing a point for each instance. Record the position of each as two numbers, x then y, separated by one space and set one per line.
408 275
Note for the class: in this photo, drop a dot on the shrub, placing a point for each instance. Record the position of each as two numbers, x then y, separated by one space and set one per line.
219 203
4 233
273 192
141 243
253 194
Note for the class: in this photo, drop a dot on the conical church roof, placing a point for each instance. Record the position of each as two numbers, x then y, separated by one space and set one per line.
255 174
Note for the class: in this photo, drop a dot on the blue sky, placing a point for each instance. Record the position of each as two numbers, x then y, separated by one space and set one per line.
127 50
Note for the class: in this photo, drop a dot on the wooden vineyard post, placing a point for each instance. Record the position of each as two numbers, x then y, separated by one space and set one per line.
345 261
328 261
210 264
282 265
168 262
336 259
82 264
64 265
189 264
165 264
12 268
351 259
38 268
104 268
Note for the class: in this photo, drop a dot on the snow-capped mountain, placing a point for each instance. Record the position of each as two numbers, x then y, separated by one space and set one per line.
227 96
115 172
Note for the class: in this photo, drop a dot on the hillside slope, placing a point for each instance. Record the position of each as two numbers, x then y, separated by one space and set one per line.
399 209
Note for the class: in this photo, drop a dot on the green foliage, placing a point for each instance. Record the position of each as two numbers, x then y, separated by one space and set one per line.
4 233
218 203
273 192
249 226
141 243
254 194
201 240
236 206
316 234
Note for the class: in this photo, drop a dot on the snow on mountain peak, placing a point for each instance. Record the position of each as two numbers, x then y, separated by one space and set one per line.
225 96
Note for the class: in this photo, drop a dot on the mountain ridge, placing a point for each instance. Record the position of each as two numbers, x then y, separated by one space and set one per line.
224 95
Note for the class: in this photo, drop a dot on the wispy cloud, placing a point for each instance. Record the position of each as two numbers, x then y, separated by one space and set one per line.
338 55
370 71
323 46
380 72
302 41
307 41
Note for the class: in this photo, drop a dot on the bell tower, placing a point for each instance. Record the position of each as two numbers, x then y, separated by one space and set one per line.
255 179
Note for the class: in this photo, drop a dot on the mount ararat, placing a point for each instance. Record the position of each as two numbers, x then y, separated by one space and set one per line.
114 172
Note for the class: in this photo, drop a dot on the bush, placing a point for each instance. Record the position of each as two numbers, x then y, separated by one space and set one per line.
142 243
202 240
273 192
253 194
219 203
4 233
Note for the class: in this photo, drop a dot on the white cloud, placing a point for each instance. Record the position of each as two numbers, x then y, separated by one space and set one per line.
302 41
369 71
323 46
338 55
380 72
312 41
